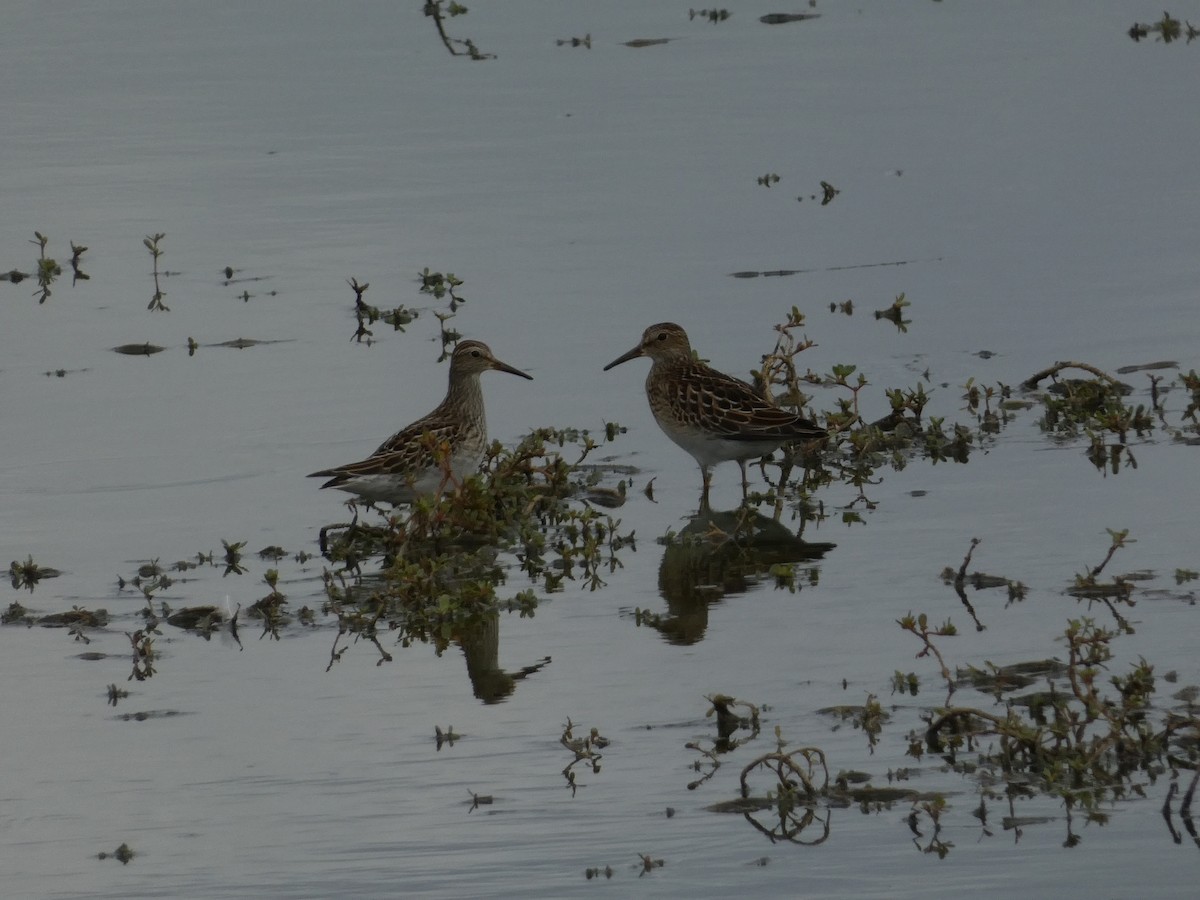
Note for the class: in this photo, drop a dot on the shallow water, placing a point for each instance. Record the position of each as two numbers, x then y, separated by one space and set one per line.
1029 168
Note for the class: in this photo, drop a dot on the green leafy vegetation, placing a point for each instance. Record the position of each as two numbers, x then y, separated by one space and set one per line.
1086 730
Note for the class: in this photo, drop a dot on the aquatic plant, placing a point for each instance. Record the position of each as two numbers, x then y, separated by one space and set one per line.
1167 29
47 269
123 854
1088 737
270 608
585 750
438 10
1091 410
156 252
441 556
712 15
585 41
27 574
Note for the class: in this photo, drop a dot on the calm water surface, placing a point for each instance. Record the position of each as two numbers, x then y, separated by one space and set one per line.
1026 170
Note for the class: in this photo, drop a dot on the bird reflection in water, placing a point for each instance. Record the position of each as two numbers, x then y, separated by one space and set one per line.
715 554
479 638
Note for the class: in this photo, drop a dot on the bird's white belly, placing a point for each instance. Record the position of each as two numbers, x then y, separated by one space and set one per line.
404 488
708 450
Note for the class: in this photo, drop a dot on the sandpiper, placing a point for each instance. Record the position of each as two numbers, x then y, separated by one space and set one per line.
434 453
713 416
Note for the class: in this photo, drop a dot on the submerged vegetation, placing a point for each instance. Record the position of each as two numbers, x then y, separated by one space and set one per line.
1166 30
540 511
990 675
439 11
1067 731
440 571
47 269
27 574
156 252
541 515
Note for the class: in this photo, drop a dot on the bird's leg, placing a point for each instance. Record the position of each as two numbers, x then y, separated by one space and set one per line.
745 484
762 467
706 474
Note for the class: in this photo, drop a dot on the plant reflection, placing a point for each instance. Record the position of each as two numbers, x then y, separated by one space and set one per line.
444 559
792 791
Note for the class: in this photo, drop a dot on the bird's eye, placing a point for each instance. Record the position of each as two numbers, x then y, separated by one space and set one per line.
476 354
662 335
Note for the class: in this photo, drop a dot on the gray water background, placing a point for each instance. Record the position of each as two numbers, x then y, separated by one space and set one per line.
1031 166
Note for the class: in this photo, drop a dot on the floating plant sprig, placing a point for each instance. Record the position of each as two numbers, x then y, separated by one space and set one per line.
151 243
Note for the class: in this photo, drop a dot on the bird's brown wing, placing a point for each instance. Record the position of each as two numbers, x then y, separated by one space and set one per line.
732 409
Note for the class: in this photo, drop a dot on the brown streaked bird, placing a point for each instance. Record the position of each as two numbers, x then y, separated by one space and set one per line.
713 416
436 452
